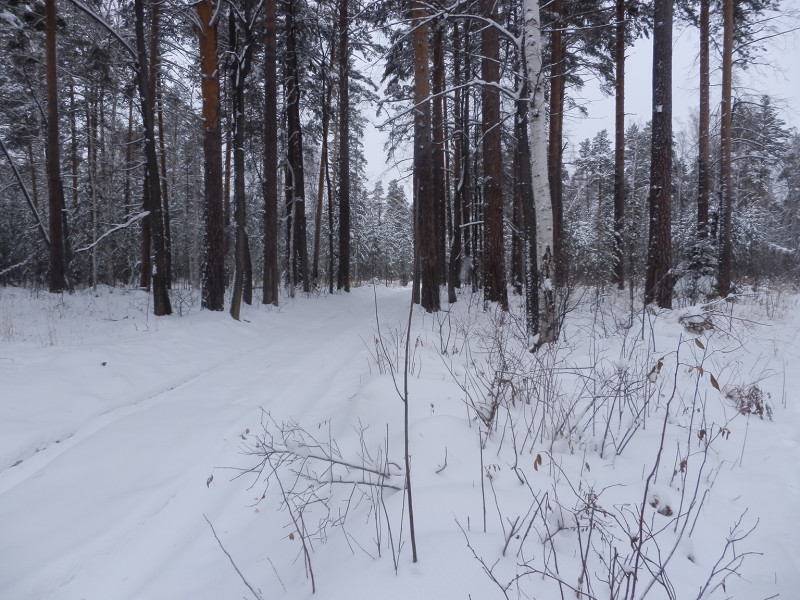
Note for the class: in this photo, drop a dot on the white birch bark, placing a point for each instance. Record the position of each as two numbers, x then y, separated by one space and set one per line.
537 136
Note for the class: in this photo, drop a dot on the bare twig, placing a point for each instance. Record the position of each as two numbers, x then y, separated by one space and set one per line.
230 558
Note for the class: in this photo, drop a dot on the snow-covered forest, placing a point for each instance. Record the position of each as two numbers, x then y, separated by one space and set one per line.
233 364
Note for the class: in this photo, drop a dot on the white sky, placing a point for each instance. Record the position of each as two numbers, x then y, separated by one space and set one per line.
782 81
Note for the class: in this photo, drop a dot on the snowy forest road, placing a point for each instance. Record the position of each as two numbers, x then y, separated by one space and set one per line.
115 509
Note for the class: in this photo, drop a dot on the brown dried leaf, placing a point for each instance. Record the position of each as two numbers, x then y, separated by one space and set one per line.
699 344
209 480
714 381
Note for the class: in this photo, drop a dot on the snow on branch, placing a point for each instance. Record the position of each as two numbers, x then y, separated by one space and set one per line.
27 195
114 229
101 21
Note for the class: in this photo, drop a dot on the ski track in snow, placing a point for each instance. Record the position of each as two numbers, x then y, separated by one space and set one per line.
145 463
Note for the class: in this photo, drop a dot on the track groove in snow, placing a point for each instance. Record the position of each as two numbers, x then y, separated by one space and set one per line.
143 465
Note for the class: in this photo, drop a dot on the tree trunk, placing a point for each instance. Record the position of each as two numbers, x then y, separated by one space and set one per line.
34 178
524 189
494 282
460 149
726 187
270 190
343 276
555 153
295 181
73 145
128 160
437 141
323 161
55 189
619 147
658 282
548 326
242 283
155 101
425 217
91 169
161 302
703 167
213 283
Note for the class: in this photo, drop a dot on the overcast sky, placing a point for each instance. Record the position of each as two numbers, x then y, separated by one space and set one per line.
782 81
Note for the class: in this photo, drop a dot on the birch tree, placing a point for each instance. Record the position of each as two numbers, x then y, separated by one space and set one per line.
548 326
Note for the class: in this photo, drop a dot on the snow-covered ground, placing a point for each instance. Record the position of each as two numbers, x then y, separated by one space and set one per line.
624 462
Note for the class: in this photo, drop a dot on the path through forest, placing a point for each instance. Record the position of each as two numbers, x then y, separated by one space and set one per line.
129 482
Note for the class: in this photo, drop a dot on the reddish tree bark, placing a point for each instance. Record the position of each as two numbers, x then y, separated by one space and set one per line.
213 283
495 288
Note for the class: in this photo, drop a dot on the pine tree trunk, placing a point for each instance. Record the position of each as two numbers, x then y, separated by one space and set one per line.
619 147
323 162
494 281
556 140
128 160
295 182
242 291
155 100
703 167
55 189
425 212
270 190
459 146
726 187
213 281
658 282
73 146
437 141
343 275
91 168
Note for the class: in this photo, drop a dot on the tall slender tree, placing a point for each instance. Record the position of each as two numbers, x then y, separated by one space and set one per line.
297 253
548 326
658 282
460 160
726 182
704 138
55 189
241 40
555 151
270 187
424 218
213 279
438 145
343 275
619 144
495 287
161 301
